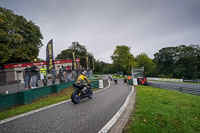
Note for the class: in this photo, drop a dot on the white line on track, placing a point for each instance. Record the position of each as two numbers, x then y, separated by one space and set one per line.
108 126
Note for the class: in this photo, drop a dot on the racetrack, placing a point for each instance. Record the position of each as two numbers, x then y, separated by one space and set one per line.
89 116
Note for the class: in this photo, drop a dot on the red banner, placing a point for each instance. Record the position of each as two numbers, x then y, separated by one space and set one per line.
36 63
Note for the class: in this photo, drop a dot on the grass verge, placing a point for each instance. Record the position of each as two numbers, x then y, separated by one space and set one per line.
159 110
42 102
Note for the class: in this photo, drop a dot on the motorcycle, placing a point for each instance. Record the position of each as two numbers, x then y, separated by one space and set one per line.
115 80
81 92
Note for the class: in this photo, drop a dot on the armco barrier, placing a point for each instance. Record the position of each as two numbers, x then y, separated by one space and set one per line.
27 96
130 81
176 88
95 83
10 100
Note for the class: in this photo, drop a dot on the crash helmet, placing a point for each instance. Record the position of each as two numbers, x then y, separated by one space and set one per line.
84 73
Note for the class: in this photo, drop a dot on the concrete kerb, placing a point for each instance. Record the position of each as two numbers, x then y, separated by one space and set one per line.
119 120
37 110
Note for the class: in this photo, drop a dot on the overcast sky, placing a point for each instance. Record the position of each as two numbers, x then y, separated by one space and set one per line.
101 25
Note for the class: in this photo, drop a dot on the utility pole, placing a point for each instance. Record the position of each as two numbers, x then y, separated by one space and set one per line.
132 73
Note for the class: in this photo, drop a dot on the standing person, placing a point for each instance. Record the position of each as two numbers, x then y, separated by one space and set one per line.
43 75
68 72
27 77
62 67
64 75
60 73
34 77
53 74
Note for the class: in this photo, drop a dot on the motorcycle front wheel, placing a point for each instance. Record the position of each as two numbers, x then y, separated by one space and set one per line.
90 94
75 97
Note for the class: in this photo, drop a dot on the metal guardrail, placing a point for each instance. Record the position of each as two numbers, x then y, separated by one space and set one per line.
176 88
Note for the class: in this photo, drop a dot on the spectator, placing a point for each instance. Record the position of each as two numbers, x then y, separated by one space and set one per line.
61 74
27 77
43 75
68 73
34 77
53 74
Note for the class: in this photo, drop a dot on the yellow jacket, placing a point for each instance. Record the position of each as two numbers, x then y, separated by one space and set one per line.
82 78
44 71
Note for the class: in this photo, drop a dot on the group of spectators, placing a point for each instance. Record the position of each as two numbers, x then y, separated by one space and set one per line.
65 74
33 74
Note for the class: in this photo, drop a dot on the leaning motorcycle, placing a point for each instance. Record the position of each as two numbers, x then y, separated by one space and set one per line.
81 92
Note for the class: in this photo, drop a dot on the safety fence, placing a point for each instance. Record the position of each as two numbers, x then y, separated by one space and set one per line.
165 79
173 80
188 90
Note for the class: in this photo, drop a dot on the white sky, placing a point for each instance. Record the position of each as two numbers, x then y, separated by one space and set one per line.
101 25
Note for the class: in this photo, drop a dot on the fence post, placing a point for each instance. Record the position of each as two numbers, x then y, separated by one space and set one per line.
17 80
180 89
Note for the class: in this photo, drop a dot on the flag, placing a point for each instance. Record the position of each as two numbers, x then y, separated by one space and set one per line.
49 55
87 63
93 64
74 61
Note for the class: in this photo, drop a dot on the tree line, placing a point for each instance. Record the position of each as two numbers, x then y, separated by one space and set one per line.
20 41
173 62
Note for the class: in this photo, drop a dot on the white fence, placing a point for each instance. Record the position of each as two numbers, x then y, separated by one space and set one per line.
165 79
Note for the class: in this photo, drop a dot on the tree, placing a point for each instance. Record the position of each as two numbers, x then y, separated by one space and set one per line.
99 66
20 39
179 62
165 60
144 61
81 53
108 68
123 60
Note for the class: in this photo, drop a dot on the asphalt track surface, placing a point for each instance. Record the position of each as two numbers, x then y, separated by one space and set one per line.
195 86
89 116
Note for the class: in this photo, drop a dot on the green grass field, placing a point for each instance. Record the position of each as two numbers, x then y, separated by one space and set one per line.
164 111
42 102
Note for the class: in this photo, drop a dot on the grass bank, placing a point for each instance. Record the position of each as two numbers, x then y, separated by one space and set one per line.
42 102
159 110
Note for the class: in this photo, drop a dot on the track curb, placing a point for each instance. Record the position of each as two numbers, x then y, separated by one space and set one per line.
117 123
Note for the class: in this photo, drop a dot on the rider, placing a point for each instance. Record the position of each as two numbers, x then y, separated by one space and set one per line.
82 77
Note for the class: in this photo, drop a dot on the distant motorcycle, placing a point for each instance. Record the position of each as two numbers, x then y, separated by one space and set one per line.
110 78
81 92
115 80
